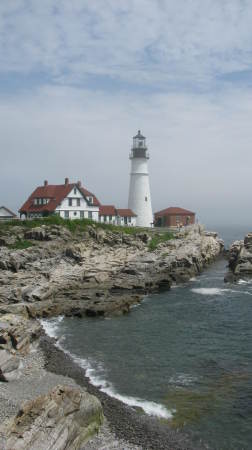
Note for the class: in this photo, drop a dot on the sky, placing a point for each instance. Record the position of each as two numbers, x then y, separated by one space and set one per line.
78 79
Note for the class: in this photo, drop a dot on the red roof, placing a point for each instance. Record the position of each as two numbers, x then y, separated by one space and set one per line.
174 211
56 193
86 193
125 213
107 210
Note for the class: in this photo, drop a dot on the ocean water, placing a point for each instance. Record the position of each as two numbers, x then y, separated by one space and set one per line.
182 355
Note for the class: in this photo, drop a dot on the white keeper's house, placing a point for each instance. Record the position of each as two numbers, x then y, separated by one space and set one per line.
72 201
115 216
6 214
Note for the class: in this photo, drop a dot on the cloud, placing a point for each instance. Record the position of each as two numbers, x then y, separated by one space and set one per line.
77 79
138 41
200 147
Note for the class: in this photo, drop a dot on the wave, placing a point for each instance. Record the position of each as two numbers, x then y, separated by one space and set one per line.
151 408
50 326
210 291
183 380
244 282
217 291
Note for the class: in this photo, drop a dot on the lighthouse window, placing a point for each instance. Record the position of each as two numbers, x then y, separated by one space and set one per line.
146 199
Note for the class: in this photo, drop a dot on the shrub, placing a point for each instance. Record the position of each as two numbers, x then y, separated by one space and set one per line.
71 225
20 245
158 239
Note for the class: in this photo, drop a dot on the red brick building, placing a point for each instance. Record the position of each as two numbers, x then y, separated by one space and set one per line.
173 216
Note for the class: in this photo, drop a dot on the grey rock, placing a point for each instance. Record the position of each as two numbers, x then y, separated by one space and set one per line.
65 418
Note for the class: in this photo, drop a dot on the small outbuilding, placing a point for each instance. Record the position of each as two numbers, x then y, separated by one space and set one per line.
174 217
6 214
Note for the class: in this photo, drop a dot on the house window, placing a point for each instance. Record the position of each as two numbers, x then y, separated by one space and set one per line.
44 201
90 199
129 219
125 220
75 213
146 199
105 218
35 201
78 201
177 219
110 218
66 214
90 215
70 202
82 214
75 191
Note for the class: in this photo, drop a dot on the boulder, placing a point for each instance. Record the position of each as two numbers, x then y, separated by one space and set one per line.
74 254
17 333
64 419
248 241
240 259
2 377
8 362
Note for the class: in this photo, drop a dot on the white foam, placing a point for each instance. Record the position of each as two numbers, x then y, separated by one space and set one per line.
209 291
183 379
244 282
217 291
51 325
151 408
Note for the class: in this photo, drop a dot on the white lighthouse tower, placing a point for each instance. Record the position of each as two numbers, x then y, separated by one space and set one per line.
139 190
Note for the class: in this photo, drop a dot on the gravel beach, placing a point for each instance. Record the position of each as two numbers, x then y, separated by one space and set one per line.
124 428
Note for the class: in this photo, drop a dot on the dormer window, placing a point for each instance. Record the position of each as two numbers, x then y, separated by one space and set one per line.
75 191
90 199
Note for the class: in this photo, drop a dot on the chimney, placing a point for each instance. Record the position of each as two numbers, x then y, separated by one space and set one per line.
45 183
79 184
66 180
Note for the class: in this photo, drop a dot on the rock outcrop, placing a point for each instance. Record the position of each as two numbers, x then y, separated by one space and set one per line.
16 337
65 418
240 260
90 272
95 272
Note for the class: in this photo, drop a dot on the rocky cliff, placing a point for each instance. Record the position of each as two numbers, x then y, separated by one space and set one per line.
240 260
96 272
47 271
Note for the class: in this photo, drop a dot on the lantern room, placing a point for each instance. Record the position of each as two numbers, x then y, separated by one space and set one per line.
139 149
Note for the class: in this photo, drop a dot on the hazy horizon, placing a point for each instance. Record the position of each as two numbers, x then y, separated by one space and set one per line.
78 80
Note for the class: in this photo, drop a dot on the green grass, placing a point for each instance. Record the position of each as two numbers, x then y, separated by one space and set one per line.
71 225
20 245
158 239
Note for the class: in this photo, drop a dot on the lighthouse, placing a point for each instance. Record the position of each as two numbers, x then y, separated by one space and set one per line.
139 189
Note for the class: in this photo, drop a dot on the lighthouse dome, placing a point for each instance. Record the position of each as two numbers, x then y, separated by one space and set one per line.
139 135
